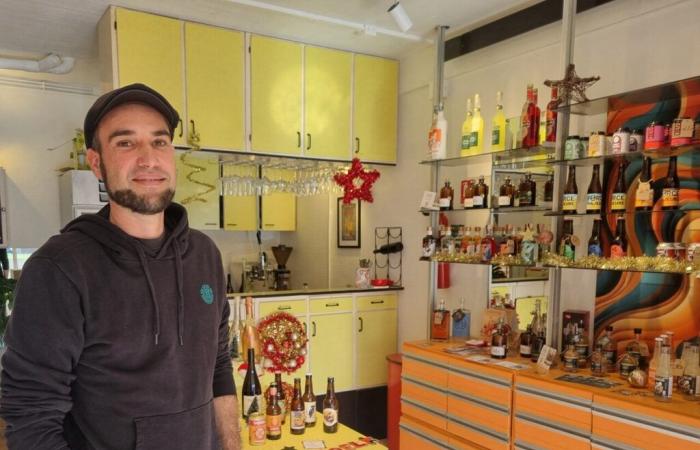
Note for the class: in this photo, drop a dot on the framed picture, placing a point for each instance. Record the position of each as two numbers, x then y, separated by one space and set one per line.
348 224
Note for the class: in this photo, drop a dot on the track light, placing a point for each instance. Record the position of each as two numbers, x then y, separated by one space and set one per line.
400 16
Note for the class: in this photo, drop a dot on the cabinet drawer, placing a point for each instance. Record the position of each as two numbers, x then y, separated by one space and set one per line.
531 433
417 435
479 422
330 305
294 307
482 384
415 368
370 302
423 394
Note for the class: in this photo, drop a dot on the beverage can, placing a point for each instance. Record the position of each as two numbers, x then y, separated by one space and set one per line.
636 141
667 249
621 141
256 429
571 147
596 144
692 254
680 251
654 136
682 130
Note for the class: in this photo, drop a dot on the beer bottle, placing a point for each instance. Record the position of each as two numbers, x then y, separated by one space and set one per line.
549 188
594 196
669 196
252 392
619 194
309 402
594 248
644 197
618 248
273 415
330 408
281 399
567 247
570 200
296 414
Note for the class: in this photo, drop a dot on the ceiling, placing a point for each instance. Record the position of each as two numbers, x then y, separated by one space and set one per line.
67 27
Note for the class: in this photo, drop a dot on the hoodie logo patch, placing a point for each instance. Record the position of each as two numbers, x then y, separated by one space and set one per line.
207 294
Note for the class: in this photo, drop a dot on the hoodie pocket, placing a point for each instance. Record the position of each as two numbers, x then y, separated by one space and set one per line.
193 429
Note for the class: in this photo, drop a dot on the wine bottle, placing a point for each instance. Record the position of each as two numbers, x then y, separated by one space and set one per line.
309 402
498 124
619 194
570 200
249 336
273 415
594 196
534 121
670 193
524 138
467 129
618 248
281 398
549 188
476 139
251 391
499 342
644 196
296 414
386 249
330 408
526 343
551 117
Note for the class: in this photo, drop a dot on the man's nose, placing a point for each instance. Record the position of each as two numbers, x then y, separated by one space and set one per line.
146 156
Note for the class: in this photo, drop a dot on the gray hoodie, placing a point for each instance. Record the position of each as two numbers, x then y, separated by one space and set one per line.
112 345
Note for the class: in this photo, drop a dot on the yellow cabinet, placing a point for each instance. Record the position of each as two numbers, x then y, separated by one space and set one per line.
278 208
376 338
375 100
275 95
149 51
327 92
240 211
215 86
198 189
330 340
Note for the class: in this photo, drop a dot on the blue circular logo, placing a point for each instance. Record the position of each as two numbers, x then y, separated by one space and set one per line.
207 294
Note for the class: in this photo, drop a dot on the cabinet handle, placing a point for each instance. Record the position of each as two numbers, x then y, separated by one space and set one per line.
299 139
284 308
362 325
357 147
377 302
181 128
193 131
308 146
313 324
304 324
269 224
332 304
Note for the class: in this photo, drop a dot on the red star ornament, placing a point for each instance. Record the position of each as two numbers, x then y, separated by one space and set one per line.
357 183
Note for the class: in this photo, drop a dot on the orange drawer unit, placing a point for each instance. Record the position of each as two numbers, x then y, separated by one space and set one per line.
479 404
548 415
415 435
621 424
424 387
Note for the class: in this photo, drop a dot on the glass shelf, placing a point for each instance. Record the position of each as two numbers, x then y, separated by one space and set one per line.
663 152
652 94
518 280
501 210
688 272
683 209
499 157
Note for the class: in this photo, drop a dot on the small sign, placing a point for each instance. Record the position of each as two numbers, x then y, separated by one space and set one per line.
428 201
546 359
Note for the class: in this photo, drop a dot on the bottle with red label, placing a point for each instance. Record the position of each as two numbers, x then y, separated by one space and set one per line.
488 245
670 193
525 119
551 117
533 121
618 248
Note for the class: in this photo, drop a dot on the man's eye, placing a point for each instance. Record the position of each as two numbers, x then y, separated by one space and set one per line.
123 143
161 143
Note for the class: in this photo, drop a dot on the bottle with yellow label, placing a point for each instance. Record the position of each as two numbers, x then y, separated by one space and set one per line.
476 139
619 194
498 125
570 200
467 130
644 196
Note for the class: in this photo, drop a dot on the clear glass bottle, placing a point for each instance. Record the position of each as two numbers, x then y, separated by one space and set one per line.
526 343
499 341
467 129
663 381
654 361
476 139
627 364
571 358
498 125
689 384
609 348
599 362
639 349
581 344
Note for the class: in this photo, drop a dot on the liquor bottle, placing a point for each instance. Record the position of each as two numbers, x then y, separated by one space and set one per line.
618 248
526 343
638 349
594 196
690 382
448 243
330 408
499 341
467 129
534 121
309 400
498 125
581 344
538 342
481 194
428 245
627 364
570 200
599 363
549 190
609 348
488 245
525 191
619 195
281 398
654 361
505 197
468 194
446 197
437 137
393 247
670 193
252 392
235 330
476 139
524 138
663 380
528 247
594 248
273 415
466 241
644 196
567 248
229 285
440 327
571 358
551 117
296 414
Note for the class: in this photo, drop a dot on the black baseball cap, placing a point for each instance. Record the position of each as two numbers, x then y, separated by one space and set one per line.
133 93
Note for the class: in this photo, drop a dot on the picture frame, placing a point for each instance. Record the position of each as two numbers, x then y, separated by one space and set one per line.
349 231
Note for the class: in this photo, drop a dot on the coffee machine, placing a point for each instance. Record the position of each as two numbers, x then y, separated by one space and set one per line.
281 273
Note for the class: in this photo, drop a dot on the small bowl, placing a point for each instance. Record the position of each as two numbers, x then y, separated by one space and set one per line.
381 282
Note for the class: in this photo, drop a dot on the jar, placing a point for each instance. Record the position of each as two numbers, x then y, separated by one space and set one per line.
571 147
583 147
654 136
596 144
621 141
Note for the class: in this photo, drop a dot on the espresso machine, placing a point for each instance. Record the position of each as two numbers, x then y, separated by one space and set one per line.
281 273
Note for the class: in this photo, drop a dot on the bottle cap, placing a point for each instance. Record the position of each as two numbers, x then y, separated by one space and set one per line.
477 101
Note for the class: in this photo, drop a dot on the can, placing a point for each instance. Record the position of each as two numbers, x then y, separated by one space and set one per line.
596 144
571 147
636 141
667 249
680 251
654 136
621 141
256 429
682 131
583 147
692 254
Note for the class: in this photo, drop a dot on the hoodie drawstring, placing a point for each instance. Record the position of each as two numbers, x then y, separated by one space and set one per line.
179 275
151 288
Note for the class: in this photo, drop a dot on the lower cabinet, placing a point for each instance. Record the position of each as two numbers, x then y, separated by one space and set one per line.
331 340
376 336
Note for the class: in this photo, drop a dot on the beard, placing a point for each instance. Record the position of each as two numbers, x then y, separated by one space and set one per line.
139 204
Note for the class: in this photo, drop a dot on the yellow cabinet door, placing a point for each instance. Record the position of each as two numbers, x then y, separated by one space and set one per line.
149 51
275 95
330 340
327 90
279 209
198 189
375 98
240 211
376 338
215 86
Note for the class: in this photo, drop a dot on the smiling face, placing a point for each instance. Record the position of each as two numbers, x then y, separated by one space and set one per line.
136 158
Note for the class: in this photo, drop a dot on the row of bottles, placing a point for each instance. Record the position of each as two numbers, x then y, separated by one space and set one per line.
618 246
476 195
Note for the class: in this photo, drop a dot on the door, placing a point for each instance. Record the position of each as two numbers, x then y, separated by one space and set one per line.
240 211
198 189
149 51
375 101
327 86
330 341
279 209
215 86
376 338
275 95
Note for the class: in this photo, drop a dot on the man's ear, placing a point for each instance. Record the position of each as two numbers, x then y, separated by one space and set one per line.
93 158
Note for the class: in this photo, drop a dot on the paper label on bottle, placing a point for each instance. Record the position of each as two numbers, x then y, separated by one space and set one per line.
644 198
610 356
497 350
330 417
429 248
688 384
496 135
595 250
504 200
618 200
663 386
252 404
486 254
616 251
474 139
478 200
570 202
525 350
438 317
274 424
669 197
309 412
570 363
434 138
444 202
297 420
465 141
468 202
525 198
593 201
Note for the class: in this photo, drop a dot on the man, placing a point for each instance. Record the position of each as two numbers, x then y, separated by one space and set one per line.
118 336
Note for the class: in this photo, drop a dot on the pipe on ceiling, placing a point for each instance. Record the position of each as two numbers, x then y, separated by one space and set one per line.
51 63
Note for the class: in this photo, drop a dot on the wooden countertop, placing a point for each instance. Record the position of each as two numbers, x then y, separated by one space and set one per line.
322 291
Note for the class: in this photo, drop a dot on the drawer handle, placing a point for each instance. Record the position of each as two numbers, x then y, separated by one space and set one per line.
332 304
362 325
377 302
313 324
284 308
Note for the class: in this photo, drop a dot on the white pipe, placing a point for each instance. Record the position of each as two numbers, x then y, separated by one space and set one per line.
51 63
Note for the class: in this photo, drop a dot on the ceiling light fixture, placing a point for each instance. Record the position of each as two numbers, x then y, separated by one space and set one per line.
400 17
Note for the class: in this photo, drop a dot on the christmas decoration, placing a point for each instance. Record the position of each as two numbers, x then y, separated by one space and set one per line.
283 342
357 183
572 87
626 263
196 197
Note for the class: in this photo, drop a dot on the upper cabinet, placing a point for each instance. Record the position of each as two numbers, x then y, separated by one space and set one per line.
375 104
